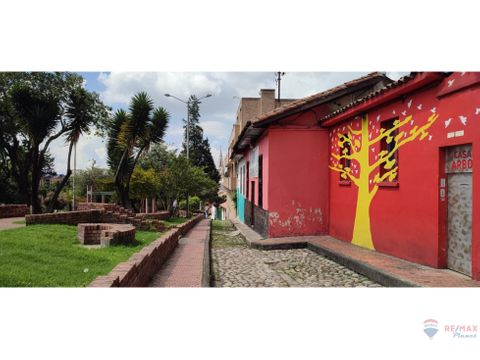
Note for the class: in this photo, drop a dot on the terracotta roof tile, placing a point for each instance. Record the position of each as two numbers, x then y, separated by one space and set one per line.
312 98
389 86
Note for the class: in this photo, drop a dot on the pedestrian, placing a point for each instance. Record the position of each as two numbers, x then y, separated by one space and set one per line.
214 211
205 211
174 206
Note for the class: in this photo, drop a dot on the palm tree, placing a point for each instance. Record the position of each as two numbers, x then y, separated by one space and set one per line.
38 114
130 136
79 116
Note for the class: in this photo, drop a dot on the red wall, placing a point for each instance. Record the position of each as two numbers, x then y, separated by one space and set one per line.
409 221
298 181
263 149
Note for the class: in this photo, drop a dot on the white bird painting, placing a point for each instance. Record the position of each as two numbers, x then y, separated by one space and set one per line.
393 112
450 82
419 107
429 137
477 111
463 119
447 122
410 103
433 110
378 118
404 113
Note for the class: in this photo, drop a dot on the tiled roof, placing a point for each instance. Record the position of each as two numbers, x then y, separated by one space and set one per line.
297 104
389 86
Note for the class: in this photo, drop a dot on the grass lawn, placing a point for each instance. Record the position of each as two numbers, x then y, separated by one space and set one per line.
50 255
223 235
175 221
19 222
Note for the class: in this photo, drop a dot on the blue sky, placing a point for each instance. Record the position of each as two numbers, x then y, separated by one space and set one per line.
217 112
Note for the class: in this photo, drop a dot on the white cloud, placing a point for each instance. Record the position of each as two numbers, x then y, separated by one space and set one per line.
88 147
220 130
217 112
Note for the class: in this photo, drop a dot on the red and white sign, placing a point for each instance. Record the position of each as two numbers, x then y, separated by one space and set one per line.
459 159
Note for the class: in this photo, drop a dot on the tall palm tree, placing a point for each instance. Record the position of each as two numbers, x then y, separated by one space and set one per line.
39 113
131 136
79 116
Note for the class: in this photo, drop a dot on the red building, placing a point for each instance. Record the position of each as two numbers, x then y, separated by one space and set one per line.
392 171
282 162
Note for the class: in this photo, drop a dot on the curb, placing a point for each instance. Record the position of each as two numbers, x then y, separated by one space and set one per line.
206 271
373 273
378 275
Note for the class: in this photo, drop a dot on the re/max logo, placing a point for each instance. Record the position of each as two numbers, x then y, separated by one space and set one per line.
462 331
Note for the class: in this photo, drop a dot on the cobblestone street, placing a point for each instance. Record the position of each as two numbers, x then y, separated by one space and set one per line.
236 265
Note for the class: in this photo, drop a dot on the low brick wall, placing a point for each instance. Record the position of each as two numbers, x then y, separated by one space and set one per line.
142 266
69 218
106 234
17 210
160 215
97 206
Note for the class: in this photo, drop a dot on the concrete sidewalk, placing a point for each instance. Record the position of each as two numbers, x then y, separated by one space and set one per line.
189 265
384 269
8 223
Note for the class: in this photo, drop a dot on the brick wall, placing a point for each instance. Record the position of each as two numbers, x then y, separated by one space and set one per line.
7 211
160 215
260 217
97 206
142 266
69 218
106 235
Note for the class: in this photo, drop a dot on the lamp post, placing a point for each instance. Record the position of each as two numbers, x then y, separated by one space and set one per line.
188 129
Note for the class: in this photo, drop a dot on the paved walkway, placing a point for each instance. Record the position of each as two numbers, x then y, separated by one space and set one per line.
9 223
188 265
384 269
235 264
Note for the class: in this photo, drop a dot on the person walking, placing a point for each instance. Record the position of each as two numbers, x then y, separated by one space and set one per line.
174 207
205 211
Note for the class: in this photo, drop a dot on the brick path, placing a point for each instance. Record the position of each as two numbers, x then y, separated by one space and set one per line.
185 267
8 223
385 269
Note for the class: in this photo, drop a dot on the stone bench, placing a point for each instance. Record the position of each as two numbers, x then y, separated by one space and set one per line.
106 234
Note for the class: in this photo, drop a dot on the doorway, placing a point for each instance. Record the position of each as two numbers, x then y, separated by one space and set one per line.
252 199
459 202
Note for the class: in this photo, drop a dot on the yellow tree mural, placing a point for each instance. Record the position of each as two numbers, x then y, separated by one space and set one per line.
354 146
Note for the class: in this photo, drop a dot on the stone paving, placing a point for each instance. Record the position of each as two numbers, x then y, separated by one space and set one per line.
234 264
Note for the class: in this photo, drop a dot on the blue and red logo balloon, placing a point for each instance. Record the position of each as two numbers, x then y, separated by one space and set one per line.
430 327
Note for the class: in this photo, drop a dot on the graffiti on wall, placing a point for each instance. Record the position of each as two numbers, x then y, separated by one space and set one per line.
351 158
298 220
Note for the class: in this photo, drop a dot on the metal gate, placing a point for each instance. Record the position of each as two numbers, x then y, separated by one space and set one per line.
459 231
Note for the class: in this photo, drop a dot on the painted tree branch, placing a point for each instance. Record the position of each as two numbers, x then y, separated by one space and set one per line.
345 173
385 156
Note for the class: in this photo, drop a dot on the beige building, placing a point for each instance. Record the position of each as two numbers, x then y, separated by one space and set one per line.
248 110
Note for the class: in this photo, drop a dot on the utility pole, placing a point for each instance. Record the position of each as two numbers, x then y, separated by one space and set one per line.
74 173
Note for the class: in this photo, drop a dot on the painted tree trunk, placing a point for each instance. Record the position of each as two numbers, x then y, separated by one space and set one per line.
362 235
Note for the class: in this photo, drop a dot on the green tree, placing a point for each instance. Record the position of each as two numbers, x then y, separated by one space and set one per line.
32 115
130 135
199 148
83 109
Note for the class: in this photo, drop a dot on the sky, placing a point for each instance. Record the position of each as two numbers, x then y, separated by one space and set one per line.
217 113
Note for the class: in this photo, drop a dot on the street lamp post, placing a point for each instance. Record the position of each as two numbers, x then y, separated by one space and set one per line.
188 130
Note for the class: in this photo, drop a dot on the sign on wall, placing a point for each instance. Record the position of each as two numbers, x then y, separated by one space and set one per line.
459 159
